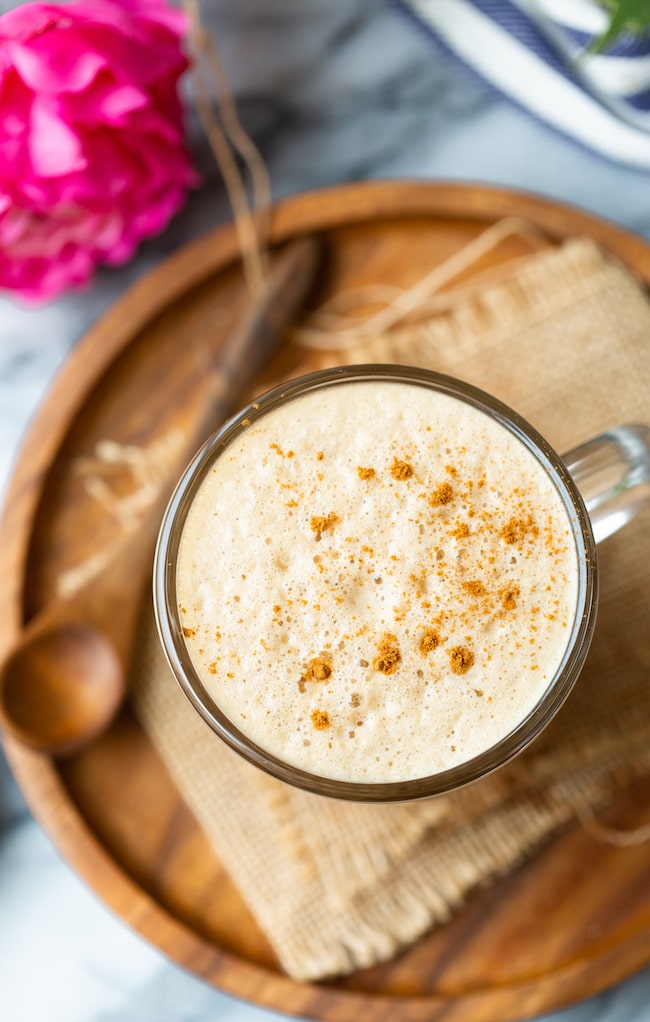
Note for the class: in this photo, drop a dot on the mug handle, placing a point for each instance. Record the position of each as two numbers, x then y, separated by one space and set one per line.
612 472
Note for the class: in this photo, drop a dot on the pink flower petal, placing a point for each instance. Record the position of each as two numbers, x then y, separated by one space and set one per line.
121 101
54 63
54 148
15 103
29 20
13 224
139 59
92 158
159 212
104 103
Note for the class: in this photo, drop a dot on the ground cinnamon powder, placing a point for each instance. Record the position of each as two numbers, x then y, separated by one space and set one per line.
429 640
516 529
401 469
509 598
474 588
319 668
389 656
321 720
441 495
461 659
323 523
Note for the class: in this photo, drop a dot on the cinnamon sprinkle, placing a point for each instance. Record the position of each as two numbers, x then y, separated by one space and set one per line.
319 668
461 659
474 588
389 654
323 523
321 720
509 597
461 530
429 640
516 529
441 495
401 469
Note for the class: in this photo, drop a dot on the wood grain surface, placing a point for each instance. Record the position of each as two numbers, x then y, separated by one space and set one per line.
573 920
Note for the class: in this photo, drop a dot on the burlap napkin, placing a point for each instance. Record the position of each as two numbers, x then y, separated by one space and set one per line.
565 340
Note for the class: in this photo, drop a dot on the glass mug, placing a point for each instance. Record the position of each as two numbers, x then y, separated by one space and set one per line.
601 484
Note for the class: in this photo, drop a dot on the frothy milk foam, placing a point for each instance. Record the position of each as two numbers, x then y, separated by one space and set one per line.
376 581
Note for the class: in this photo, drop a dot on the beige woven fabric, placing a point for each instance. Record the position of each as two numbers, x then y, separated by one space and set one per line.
565 340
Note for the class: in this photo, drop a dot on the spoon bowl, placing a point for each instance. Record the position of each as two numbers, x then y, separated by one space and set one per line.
68 692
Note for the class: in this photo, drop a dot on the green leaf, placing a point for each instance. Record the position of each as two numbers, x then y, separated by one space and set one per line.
626 16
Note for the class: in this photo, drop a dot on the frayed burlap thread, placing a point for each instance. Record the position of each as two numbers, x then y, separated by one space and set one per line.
564 339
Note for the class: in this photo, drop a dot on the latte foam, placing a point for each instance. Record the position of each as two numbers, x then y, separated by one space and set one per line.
377 581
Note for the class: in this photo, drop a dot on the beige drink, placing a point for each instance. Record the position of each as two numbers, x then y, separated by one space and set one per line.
376 581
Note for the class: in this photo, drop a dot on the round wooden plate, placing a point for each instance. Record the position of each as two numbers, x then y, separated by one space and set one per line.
573 920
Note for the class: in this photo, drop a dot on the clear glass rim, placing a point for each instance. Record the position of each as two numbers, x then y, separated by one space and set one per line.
170 627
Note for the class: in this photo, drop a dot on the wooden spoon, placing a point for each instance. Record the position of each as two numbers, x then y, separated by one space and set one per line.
65 677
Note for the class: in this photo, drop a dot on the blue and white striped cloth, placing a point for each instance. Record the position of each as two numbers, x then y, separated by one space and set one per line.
537 53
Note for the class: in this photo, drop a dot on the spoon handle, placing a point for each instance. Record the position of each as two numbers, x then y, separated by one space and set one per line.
255 338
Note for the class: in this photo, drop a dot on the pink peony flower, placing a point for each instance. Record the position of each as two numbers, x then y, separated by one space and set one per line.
92 157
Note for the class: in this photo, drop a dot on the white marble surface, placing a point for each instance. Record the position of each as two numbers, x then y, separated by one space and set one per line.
333 90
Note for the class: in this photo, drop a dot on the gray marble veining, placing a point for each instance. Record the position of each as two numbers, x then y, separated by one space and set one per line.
332 90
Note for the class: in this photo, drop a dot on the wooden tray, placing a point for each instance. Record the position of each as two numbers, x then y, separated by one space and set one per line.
572 921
